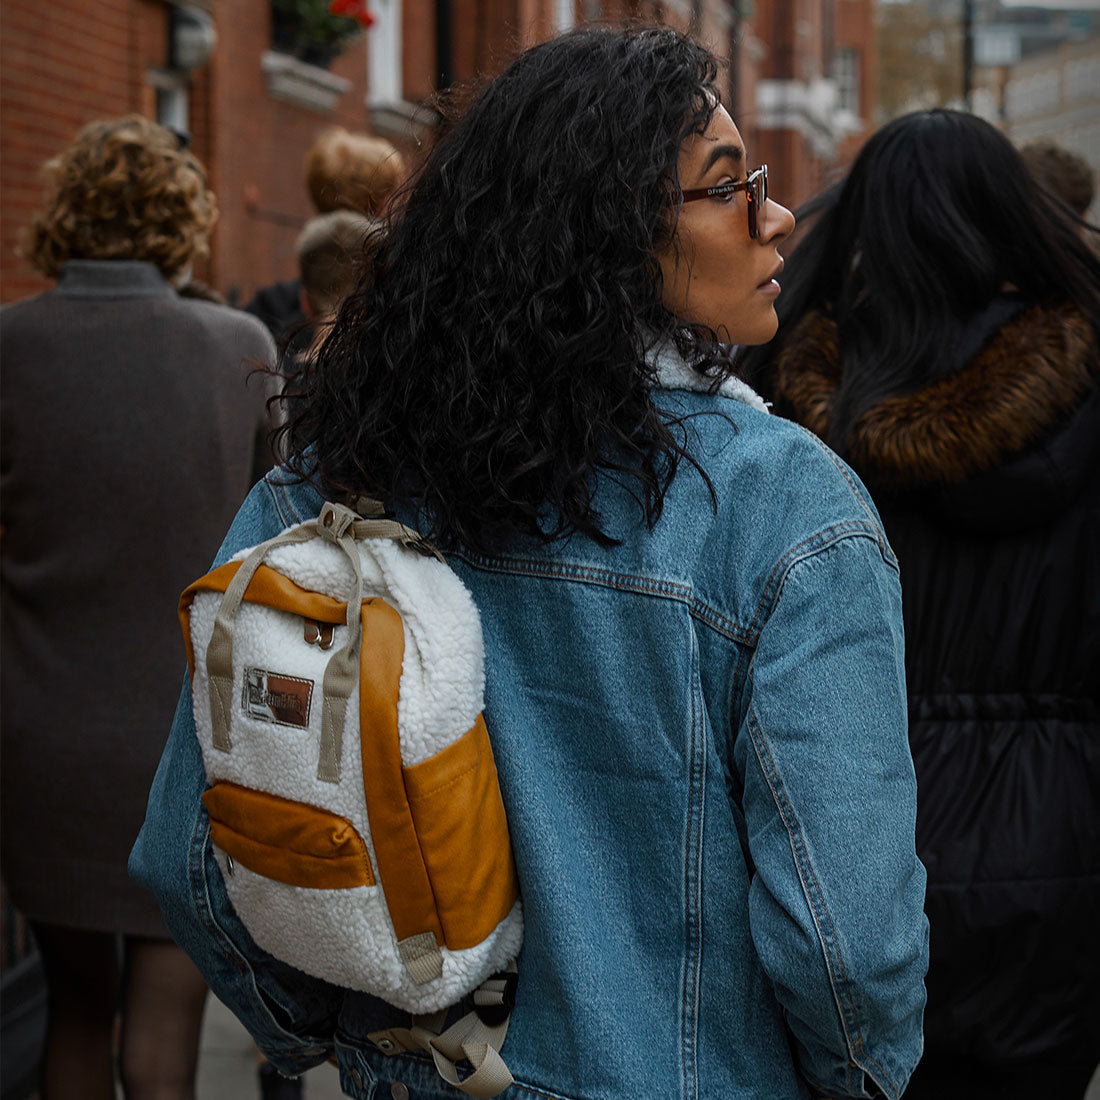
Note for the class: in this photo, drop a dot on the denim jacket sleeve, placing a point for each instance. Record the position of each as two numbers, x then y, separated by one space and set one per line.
291 1017
836 903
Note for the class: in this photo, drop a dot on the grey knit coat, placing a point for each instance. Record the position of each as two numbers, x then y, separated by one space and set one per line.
132 424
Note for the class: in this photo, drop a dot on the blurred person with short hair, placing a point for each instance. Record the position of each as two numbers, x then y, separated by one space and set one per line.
332 253
131 431
1066 175
343 171
346 171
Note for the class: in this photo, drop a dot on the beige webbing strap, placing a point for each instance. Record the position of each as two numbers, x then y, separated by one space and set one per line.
468 1038
422 958
219 653
343 527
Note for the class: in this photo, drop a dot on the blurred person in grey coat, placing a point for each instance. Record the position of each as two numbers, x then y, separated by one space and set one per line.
133 423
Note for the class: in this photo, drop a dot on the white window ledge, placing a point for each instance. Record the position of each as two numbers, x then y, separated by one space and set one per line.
402 119
304 85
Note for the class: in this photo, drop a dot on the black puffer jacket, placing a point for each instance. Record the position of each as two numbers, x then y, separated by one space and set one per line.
989 486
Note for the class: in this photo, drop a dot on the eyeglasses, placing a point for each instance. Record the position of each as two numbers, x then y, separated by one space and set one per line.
755 188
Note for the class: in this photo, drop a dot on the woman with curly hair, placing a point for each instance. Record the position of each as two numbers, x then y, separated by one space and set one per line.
691 614
941 330
129 438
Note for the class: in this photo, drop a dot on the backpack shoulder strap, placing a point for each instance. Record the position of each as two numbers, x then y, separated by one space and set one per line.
343 527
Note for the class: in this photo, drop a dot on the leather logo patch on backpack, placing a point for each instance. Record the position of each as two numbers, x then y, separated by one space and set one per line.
273 697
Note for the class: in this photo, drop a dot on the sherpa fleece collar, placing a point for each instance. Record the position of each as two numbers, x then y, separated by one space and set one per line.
1034 370
673 373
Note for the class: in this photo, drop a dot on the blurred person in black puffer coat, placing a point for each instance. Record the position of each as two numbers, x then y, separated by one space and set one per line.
939 328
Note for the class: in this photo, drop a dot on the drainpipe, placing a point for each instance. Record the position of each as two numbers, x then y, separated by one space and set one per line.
444 45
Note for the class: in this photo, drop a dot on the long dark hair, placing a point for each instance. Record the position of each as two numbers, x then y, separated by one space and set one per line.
936 217
491 368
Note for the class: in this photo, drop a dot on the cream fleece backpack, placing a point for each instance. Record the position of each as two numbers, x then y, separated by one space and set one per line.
337 673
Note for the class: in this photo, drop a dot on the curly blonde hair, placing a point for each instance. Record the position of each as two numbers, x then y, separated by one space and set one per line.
124 190
346 171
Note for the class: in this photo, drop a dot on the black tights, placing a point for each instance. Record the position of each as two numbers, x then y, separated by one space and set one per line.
161 1016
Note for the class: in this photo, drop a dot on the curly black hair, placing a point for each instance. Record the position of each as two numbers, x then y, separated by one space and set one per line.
491 367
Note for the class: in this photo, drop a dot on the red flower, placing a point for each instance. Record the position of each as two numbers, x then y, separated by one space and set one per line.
352 9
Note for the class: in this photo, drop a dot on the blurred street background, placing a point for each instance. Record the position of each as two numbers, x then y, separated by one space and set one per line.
227 1065
250 84
253 82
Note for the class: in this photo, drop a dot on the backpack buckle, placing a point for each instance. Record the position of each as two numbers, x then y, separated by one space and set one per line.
495 998
335 521
318 633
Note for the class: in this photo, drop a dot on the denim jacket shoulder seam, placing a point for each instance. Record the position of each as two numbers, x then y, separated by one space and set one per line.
854 488
286 511
809 547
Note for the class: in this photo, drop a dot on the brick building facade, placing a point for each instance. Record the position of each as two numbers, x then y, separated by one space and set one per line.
1055 96
799 84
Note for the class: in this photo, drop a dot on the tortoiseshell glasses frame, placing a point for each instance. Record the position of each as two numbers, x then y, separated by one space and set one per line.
755 186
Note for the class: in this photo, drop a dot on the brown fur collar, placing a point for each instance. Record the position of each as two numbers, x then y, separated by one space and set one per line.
1034 370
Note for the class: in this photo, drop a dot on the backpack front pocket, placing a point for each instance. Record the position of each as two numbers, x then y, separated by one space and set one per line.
290 842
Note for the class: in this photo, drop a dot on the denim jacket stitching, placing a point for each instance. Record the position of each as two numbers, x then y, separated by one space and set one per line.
640 584
607 578
822 540
200 897
286 511
693 845
883 544
815 899
540 1091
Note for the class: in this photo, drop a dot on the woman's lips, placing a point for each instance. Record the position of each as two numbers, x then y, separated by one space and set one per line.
771 284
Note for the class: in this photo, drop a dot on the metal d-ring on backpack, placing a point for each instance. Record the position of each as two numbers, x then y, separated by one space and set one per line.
337 673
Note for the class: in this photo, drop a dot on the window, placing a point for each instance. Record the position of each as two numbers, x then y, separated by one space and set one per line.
384 45
846 76
172 99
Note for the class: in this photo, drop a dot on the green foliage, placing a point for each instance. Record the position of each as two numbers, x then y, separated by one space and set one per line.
310 21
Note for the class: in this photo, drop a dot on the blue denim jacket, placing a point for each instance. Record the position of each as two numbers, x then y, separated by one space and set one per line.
701 741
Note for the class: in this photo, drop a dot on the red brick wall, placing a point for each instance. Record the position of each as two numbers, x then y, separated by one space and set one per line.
418 60
796 39
91 60
59 71
259 143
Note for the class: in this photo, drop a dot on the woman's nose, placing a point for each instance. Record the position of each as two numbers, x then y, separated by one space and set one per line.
777 222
